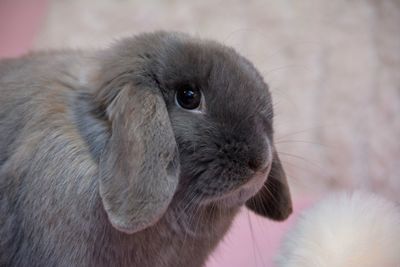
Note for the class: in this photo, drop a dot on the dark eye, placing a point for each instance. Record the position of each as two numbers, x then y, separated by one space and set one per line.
188 98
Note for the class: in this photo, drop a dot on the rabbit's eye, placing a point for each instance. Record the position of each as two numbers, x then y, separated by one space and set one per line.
188 98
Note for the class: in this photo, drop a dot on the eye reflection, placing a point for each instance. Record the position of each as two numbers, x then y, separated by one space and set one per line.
188 98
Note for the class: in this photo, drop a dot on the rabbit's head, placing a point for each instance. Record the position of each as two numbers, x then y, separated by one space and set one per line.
188 118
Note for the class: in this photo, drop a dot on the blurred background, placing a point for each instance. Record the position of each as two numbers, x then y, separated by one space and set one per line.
333 68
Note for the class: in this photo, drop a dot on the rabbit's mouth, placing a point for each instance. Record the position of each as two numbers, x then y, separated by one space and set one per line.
244 192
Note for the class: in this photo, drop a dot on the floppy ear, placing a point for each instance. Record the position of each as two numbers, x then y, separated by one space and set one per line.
139 167
273 200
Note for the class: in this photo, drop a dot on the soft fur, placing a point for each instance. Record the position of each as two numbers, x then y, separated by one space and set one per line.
347 230
100 167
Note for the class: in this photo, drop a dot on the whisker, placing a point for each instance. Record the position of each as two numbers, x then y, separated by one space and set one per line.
303 131
300 158
271 194
302 142
316 172
256 248
285 67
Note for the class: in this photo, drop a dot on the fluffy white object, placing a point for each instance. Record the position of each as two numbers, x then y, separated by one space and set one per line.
345 230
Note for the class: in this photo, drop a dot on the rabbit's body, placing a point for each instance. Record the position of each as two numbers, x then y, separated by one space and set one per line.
73 229
57 153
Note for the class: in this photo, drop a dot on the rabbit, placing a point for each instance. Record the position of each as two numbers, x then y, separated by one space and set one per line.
349 229
140 154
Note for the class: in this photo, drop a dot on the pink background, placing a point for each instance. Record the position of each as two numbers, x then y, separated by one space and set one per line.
253 241
19 23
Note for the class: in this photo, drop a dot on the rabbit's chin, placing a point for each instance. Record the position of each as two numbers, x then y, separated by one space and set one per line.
240 195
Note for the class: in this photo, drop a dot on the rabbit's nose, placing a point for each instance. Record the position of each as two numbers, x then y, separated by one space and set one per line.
259 164
261 156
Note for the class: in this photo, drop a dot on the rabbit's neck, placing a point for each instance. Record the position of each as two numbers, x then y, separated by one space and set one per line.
199 221
176 240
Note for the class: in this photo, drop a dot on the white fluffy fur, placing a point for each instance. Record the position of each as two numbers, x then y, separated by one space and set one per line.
345 230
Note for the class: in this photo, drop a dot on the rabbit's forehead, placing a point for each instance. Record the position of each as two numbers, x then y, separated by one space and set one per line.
225 77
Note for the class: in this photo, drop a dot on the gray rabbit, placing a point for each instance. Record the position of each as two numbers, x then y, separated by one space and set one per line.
136 155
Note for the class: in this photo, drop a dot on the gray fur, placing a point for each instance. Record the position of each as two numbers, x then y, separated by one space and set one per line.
137 192
93 147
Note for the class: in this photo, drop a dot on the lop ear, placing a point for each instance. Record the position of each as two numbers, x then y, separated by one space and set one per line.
273 200
139 167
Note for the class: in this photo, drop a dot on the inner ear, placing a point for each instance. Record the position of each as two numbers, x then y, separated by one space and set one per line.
273 200
139 167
